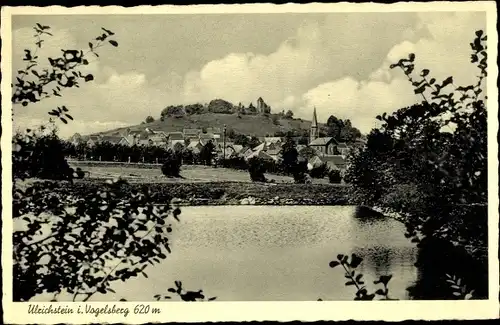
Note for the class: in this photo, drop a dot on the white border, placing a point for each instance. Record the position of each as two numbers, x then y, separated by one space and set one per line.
259 311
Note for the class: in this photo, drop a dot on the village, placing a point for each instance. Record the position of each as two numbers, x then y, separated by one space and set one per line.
319 150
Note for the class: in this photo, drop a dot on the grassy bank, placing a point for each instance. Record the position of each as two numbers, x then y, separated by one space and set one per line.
229 193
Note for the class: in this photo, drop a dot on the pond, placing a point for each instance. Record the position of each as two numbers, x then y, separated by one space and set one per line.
275 253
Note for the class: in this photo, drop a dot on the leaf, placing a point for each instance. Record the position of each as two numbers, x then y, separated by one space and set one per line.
114 43
111 290
334 264
446 82
380 292
91 46
425 72
349 283
171 290
63 120
64 108
212 298
69 116
89 77
411 57
419 90
355 260
110 33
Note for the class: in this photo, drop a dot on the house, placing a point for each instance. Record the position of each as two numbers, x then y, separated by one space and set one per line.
260 154
335 162
325 146
273 146
246 152
208 136
125 141
272 140
274 153
112 139
93 140
260 147
158 140
195 146
215 131
75 139
237 148
342 149
191 133
314 162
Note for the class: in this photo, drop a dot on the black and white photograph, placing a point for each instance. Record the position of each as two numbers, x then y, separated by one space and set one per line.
226 155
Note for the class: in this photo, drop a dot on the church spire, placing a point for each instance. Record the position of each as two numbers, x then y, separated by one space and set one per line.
315 119
314 132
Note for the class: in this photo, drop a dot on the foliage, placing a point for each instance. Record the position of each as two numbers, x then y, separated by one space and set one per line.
39 153
235 162
34 83
172 164
257 167
428 162
183 294
342 130
149 119
221 106
82 244
334 176
207 153
289 155
107 151
356 279
289 114
319 171
299 172
172 111
64 241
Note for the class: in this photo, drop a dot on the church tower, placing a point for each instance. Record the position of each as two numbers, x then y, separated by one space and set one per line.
314 132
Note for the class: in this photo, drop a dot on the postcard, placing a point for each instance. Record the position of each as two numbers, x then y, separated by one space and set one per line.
250 162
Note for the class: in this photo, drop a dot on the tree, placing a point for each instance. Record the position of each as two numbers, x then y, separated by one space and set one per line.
149 119
275 119
289 155
289 114
172 164
207 153
221 106
428 162
56 245
257 167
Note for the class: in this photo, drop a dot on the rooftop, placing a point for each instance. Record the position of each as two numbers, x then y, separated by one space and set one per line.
321 141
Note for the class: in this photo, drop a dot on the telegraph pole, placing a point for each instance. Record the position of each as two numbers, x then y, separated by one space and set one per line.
224 143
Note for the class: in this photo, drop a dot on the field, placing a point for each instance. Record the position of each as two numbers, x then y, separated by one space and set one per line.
150 173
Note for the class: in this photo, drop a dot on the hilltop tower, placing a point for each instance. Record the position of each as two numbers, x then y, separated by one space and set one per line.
314 132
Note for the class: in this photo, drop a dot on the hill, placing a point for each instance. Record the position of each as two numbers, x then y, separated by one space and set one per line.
254 125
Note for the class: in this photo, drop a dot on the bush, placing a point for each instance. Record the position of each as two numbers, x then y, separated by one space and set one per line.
299 172
40 155
235 163
257 167
172 165
320 171
335 177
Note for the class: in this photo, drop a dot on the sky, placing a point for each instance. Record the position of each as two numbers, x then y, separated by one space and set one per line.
336 62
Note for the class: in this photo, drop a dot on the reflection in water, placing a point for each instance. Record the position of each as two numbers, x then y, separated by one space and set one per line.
275 253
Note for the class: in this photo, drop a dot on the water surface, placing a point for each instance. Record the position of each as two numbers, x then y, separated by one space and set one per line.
251 253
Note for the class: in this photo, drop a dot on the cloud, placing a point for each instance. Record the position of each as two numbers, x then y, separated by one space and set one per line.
445 52
340 64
